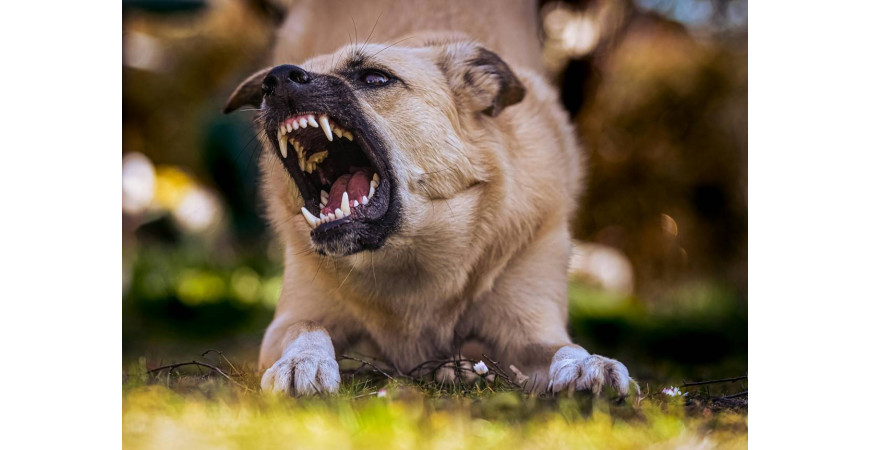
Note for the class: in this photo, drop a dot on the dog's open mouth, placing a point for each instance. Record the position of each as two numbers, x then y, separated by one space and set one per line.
336 168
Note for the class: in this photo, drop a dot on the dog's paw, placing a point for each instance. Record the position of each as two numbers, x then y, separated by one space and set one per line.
306 368
575 369
446 374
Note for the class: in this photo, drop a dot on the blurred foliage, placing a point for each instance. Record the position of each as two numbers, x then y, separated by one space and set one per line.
210 414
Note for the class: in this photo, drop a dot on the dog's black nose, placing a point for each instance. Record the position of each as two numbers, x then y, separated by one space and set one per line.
285 76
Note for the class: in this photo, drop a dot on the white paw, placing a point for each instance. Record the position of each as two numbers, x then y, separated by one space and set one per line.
575 369
307 367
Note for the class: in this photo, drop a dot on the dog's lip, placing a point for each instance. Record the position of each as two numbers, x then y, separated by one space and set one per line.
333 130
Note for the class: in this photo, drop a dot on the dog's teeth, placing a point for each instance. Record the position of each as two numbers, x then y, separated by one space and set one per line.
376 179
324 197
348 136
312 221
303 123
372 189
324 217
355 203
295 125
282 144
339 214
365 200
345 204
318 157
327 130
338 132
311 121
331 216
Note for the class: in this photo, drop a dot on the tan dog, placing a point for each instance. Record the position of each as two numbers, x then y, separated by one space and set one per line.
424 203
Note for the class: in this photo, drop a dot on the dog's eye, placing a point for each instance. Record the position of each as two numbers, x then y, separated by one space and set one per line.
374 78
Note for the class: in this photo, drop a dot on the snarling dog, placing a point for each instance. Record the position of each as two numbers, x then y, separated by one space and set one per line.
424 196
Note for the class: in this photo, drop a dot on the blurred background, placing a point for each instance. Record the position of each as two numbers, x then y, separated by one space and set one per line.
656 88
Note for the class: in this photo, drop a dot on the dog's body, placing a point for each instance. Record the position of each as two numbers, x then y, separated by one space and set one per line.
466 249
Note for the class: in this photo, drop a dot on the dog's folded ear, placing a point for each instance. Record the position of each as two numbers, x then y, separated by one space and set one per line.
480 79
249 93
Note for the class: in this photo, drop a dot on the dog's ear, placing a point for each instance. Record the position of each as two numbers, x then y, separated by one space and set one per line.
480 79
249 93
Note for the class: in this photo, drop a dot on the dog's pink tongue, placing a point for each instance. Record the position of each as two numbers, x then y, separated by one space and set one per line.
356 186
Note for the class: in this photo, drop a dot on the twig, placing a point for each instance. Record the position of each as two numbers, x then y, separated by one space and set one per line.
500 372
739 394
237 372
200 364
368 364
724 380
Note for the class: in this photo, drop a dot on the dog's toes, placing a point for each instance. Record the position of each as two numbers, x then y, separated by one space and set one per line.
302 375
446 374
588 373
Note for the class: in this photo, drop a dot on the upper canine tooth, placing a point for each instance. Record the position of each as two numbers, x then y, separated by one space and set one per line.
345 204
311 121
327 130
282 144
312 221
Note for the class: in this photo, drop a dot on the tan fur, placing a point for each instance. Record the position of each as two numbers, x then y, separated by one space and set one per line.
484 243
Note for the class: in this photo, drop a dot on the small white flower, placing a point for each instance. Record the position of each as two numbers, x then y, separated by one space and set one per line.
382 393
480 368
673 391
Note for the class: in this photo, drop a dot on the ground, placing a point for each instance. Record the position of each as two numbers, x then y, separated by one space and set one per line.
218 405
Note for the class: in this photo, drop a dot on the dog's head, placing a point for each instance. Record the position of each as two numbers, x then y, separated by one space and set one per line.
370 136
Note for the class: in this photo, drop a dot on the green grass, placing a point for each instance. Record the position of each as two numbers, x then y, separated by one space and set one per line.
189 408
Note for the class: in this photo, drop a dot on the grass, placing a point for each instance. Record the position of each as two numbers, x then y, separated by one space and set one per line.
192 407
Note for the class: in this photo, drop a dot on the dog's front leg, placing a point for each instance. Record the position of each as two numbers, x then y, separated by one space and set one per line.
531 296
306 364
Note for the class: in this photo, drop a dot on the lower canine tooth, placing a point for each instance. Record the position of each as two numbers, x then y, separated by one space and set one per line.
345 204
312 221
282 144
371 190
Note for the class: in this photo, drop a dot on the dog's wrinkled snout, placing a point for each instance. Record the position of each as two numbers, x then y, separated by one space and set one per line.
285 79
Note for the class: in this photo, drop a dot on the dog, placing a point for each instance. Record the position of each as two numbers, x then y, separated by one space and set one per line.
422 187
